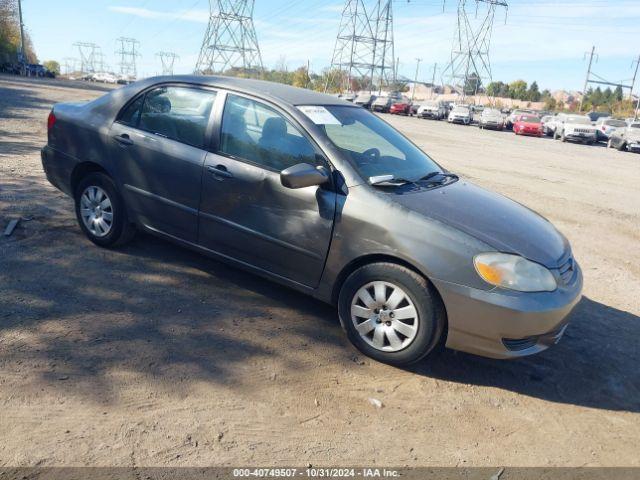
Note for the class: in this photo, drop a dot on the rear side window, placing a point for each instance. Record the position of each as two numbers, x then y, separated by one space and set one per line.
177 113
259 134
131 114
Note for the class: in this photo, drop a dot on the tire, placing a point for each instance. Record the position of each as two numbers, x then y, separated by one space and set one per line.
422 332
622 147
94 190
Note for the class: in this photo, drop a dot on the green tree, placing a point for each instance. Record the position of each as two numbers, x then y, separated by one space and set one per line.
617 94
518 90
301 78
534 94
52 66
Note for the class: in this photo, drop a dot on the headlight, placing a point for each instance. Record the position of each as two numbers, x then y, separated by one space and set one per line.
514 272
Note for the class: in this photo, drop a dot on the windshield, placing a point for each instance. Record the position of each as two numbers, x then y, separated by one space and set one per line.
374 147
461 110
431 104
615 123
529 119
578 119
491 113
634 125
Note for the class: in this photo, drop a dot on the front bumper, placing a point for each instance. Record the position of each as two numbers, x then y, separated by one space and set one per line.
634 147
461 120
505 324
581 137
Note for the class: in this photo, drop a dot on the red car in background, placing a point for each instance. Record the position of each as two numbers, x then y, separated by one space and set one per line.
528 125
402 107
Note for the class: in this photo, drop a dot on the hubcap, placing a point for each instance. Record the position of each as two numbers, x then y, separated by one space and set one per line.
384 316
96 211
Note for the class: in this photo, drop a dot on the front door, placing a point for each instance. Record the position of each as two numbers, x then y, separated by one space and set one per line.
158 146
246 213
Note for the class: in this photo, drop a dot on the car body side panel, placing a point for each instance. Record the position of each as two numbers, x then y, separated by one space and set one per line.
437 248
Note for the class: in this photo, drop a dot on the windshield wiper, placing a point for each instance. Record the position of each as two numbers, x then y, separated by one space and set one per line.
429 176
388 180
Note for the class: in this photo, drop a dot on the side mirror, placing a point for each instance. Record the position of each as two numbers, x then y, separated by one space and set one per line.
303 175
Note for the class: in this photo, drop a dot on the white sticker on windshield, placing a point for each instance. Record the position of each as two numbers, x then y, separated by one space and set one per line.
319 115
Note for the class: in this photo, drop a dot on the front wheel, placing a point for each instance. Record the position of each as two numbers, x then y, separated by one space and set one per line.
101 212
391 313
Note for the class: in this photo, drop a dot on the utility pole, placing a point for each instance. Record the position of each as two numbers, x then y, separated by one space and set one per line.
586 80
22 58
433 80
635 75
415 81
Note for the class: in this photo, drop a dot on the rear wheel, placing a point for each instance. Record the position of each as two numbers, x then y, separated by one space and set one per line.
101 212
391 313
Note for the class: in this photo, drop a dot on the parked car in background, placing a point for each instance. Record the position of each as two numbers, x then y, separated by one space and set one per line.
402 107
434 109
606 126
382 104
545 122
491 118
461 114
595 116
528 125
349 97
323 197
577 128
365 100
511 119
626 138
552 124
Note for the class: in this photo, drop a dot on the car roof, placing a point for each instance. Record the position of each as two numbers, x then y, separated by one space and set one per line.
270 90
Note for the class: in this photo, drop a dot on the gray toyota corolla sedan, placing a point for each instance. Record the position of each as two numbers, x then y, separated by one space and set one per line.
324 197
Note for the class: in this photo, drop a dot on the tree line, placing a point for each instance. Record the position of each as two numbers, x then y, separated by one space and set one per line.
10 35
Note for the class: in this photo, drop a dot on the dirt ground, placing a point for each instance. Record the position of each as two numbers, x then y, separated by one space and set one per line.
155 356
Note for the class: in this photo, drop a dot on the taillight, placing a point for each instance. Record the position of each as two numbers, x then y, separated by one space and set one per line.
51 121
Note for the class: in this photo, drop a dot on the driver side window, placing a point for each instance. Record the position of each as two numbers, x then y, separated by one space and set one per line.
254 132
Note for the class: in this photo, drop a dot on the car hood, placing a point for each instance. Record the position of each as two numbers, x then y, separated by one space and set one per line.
493 219
633 135
579 125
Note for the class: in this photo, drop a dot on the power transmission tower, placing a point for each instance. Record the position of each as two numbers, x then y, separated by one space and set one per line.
470 65
364 47
598 80
88 53
167 59
230 40
128 52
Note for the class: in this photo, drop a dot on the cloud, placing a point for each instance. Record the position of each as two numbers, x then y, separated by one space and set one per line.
199 16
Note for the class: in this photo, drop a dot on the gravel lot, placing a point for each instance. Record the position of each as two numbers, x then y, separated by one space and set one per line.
154 355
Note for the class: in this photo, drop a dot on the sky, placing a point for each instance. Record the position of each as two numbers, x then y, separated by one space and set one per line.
542 40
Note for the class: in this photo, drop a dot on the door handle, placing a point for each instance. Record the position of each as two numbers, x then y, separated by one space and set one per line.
123 139
220 171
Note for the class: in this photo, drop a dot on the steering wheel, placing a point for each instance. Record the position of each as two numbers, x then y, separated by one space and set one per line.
371 154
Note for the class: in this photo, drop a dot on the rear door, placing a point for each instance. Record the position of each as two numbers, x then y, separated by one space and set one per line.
158 146
246 213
